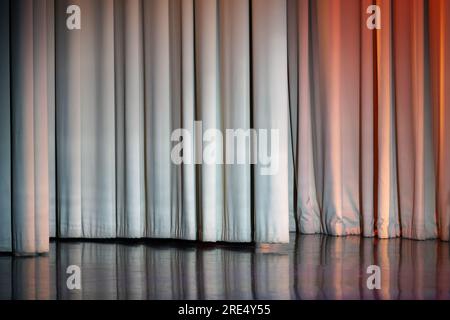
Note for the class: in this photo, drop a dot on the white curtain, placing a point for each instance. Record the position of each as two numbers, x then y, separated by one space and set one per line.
132 75
87 116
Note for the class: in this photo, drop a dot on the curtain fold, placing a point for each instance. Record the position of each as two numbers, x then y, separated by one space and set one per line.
5 131
27 188
129 121
368 110
270 111
85 108
88 120
235 88
439 12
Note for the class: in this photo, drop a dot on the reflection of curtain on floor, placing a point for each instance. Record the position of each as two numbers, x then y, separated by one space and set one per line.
309 267
363 119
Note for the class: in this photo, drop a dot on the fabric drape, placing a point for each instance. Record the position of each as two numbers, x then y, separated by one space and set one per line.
87 116
368 113
28 132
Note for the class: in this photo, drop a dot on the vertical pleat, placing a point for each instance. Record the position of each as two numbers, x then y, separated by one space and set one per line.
43 96
440 70
337 82
30 152
22 98
368 147
129 95
308 210
235 104
388 211
51 119
5 130
157 118
414 122
293 41
97 120
270 111
176 229
208 108
444 157
189 185
48 129
86 136
68 124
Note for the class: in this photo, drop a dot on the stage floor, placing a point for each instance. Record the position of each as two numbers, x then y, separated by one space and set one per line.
310 267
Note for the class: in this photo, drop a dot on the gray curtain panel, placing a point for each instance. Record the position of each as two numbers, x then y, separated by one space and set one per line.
86 118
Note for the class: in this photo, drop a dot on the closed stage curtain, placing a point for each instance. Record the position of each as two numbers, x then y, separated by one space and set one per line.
87 116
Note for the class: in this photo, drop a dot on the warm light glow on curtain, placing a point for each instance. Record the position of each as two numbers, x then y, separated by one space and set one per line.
86 118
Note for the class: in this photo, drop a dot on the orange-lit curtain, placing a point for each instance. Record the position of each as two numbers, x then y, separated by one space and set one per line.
5 132
370 117
439 15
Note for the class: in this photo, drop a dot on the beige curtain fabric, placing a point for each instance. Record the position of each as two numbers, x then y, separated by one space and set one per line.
87 117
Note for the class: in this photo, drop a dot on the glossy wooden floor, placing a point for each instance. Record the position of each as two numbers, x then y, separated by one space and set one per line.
310 267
